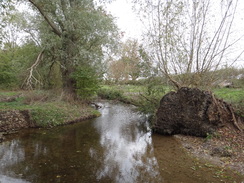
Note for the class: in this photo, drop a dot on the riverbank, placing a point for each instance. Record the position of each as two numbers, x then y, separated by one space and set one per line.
223 149
40 109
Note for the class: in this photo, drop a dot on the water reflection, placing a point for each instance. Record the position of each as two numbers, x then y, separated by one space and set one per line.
116 147
128 153
11 153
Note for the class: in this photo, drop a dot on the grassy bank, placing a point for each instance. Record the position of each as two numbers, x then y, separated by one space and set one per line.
46 109
147 98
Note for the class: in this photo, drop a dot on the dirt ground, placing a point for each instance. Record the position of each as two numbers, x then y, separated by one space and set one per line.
225 148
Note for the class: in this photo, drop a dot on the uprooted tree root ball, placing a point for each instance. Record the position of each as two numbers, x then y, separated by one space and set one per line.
191 111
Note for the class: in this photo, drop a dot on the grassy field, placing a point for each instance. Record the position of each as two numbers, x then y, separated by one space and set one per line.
232 95
46 109
136 88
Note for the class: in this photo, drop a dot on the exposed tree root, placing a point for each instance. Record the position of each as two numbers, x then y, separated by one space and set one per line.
219 104
234 118
194 112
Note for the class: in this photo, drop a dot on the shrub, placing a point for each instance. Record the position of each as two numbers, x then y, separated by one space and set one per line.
86 82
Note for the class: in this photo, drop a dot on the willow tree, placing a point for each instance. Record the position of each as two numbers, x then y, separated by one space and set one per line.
189 39
74 33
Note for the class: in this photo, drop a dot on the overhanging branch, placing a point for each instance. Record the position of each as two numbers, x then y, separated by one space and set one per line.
49 21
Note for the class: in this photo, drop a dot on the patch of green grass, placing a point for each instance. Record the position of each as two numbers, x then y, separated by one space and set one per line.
17 105
110 93
146 98
50 116
47 112
230 94
234 96
95 113
124 88
8 93
137 89
58 113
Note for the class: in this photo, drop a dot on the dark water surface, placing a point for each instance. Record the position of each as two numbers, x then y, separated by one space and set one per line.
116 147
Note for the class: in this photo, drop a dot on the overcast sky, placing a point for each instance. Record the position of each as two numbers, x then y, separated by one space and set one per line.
126 19
129 23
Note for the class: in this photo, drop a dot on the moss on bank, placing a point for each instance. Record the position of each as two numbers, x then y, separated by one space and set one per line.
45 109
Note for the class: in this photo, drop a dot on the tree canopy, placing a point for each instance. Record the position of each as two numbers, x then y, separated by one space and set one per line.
72 33
131 63
188 39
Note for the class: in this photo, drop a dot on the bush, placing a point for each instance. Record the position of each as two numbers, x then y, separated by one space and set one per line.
86 82
7 77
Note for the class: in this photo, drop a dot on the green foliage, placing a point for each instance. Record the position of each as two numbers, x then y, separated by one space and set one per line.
95 113
150 99
239 83
14 63
210 136
86 82
8 93
151 95
55 76
82 32
7 74
146 97
110 94
78 39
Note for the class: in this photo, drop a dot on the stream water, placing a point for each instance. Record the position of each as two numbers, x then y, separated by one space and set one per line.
116 147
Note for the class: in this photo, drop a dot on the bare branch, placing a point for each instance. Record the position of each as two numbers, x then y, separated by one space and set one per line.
30 79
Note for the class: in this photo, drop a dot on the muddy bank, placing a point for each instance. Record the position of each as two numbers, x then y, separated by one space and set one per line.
194 167
224 148
12 120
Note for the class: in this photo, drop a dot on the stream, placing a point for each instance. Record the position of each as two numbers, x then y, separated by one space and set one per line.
116 147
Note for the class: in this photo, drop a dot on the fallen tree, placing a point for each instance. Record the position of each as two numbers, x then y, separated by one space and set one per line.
191 111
